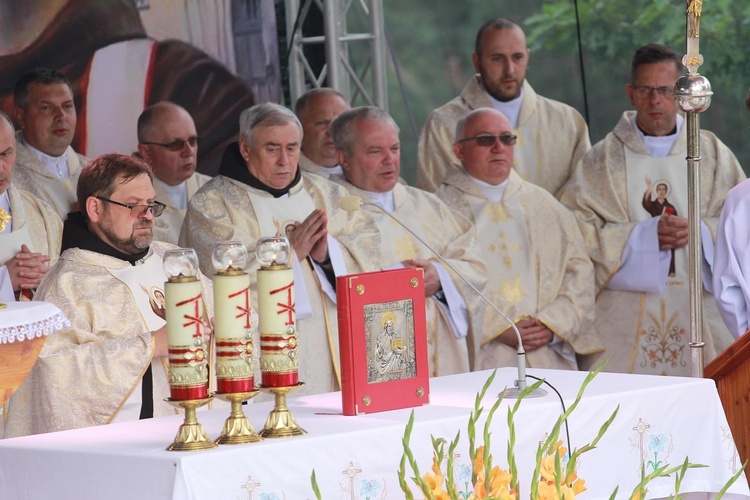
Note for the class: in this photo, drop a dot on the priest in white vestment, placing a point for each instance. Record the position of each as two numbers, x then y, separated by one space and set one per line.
539 273
168 141
30 230
260 191
46 165
731 266
552 136
316 109
642 313
110 364
367 145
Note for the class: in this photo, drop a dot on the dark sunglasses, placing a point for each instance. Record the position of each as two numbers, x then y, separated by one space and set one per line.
487 141
177 144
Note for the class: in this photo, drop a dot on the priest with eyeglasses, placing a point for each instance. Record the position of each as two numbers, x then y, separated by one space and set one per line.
168 141
110 364
539 273
640 253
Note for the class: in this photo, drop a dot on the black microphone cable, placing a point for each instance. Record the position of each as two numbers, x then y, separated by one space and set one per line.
562 403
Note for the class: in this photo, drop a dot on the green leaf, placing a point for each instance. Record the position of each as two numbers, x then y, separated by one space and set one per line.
315 488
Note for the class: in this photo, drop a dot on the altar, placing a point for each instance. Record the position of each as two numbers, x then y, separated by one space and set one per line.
661 420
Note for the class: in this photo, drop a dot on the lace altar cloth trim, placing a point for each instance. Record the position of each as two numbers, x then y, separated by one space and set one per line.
29 320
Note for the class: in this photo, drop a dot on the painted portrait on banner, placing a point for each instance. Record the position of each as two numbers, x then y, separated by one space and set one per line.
123 55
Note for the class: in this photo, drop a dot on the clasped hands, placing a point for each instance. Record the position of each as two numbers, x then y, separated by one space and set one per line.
673 231
534 334
309 237
26 269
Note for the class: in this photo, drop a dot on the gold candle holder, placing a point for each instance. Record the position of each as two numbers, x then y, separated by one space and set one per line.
190 436
280 422
237 428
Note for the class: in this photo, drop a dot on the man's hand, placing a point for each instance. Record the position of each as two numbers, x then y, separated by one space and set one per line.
431 277
673 231
533 334
26 269
309 236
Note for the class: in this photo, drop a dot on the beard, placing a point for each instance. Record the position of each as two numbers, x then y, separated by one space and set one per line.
134 244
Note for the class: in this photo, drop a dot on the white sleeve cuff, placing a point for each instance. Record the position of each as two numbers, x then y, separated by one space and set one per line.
457 310
6 287
644 266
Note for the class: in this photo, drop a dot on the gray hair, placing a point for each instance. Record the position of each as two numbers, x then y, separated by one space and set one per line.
267 114
342 127
7 119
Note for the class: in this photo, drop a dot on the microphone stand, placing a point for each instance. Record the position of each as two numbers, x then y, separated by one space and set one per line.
520 383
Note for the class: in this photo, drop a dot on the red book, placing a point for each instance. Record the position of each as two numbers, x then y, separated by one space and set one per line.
383 341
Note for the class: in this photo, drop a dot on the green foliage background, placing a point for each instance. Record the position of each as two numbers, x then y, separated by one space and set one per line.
432 41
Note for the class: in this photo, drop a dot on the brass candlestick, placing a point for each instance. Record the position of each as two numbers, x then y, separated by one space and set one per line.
190 436
237 428
280 422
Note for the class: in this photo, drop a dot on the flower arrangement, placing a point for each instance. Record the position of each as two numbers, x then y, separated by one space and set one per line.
555 476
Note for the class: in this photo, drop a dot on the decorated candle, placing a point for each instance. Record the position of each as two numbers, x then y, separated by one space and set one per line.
233 319
188 376
278 322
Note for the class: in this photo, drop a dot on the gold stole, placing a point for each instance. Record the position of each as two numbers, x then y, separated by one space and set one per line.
144 281
663 327
506 249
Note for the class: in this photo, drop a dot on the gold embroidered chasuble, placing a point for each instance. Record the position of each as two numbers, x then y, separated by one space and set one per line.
223 209
552 138
537 266
34 224
30 175
646 332
167 226
85 374
454 238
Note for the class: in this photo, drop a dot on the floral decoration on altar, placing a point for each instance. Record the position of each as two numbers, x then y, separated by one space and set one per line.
555 476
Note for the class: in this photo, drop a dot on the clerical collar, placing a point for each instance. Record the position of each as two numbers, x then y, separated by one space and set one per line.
658 146
233 166
5 207
383 200
511 109
56 165
76 234
492 192
177 194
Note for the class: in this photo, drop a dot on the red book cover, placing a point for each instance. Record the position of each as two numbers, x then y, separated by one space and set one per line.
383 341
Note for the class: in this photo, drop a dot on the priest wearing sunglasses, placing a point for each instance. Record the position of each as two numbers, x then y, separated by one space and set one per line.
539 273
168 141
109 364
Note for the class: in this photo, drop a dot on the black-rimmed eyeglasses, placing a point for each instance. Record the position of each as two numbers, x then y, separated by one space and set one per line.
487 141
177 144
649 91
138 211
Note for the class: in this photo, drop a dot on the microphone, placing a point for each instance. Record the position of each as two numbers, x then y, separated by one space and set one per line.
354 203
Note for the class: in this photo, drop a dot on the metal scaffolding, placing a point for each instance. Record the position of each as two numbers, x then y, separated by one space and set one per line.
355 62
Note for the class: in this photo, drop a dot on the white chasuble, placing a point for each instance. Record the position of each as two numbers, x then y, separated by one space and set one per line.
146 285
276 217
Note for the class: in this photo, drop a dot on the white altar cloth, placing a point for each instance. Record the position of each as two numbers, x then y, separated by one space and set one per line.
661 420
